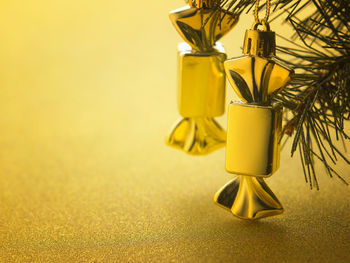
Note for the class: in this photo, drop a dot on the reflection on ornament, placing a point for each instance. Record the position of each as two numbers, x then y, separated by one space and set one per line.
191 135
201 76
249 197
201 26
254 127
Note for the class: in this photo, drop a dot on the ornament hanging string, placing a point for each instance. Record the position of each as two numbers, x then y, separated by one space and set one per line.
256 12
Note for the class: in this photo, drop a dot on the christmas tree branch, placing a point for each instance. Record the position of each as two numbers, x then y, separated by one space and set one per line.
318 99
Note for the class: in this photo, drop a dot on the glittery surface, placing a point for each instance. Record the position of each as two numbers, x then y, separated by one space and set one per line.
87 93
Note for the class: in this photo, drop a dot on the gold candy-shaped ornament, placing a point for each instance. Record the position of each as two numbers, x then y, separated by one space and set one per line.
201 76
254 126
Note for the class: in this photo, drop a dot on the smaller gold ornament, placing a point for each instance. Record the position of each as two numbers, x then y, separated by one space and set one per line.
254 126
201 76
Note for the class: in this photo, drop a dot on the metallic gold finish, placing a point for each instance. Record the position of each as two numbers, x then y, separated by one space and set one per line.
255 79
256 11
254 127
203 3
84 177
253 134
202 27
260 43
201 82
248 198
201 97
201 76
197 136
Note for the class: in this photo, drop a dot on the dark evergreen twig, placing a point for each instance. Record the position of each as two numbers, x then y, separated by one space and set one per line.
318 99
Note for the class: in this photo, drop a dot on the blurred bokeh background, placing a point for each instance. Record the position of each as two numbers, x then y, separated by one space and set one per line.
87 95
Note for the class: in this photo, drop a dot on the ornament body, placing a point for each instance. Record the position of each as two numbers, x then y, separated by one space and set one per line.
201 83
201 76
254 127
253 133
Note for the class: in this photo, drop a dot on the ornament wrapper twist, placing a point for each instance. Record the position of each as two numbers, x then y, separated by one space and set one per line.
254 127
201 76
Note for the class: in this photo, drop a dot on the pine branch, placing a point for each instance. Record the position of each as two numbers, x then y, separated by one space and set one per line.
319 96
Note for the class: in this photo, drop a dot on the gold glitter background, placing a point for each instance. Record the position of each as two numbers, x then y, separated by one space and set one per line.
87 95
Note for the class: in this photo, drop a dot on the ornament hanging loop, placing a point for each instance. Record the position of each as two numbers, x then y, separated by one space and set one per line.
263 23
256 12
260 42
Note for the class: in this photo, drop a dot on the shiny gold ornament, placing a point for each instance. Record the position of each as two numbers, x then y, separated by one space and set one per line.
254 127
253 146
201 76
201 25
201 83
248 197
192 135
